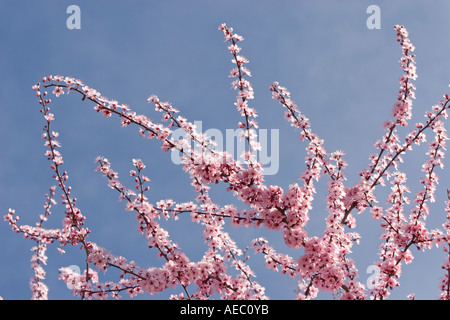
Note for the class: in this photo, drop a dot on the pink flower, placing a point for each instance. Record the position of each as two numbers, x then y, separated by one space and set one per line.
106 112
320 261
58 91
138 164
49 117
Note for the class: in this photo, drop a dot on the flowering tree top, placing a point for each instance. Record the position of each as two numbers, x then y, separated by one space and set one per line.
321 263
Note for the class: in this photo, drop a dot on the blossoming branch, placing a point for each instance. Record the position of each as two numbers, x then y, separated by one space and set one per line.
321 263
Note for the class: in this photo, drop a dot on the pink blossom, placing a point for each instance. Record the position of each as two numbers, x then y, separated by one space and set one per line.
317 261
49 117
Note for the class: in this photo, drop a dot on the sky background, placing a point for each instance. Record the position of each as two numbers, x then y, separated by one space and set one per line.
342 75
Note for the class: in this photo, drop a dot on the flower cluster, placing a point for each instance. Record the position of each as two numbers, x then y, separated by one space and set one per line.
324 261
245 89
403 107
444 239
42 237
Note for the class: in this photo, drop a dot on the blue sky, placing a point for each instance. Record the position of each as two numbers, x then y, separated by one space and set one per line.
342 75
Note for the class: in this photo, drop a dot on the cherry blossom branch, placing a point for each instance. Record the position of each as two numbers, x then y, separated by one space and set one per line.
168 251
402 108
158 236
219 168
38 288
217 239
401 112
300 121
273 259
42 237
139 280
72 225
247 184
402 233
324 263
245 89
444 238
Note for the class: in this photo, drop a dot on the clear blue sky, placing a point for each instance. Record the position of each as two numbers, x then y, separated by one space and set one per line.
342 75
